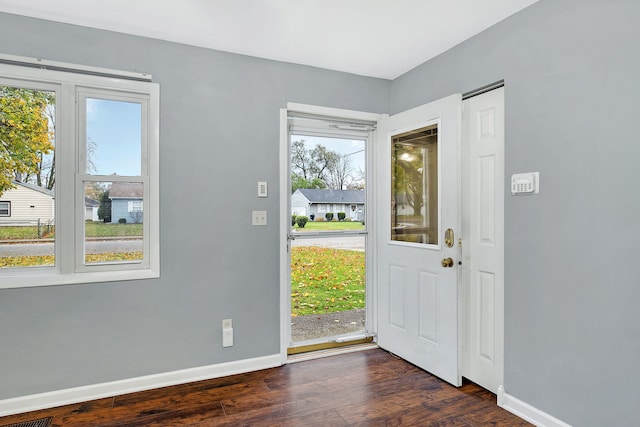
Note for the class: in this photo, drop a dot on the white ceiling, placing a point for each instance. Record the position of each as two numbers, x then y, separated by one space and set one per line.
377 38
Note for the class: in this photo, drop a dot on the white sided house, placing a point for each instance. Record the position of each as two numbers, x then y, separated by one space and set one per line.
27 204
315 203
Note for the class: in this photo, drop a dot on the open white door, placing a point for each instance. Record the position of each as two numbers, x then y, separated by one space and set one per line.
417 195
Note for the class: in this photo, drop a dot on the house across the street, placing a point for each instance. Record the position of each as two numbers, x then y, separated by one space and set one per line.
316 203
27 204
126 202
91 209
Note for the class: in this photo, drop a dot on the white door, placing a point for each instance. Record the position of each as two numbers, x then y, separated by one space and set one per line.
483 238
417 202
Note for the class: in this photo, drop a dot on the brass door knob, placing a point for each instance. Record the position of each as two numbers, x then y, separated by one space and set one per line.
447 262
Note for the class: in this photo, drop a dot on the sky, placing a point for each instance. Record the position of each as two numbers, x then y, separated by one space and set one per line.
353 148
115 128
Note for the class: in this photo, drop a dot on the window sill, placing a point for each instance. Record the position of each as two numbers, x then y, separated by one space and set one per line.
49 277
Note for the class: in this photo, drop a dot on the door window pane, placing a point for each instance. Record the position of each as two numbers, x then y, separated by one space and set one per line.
27 177
114 137
113 229
327 183
414 195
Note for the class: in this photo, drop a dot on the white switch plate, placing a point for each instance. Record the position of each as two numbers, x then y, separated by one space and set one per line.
227 333
227 337
262 188
259 218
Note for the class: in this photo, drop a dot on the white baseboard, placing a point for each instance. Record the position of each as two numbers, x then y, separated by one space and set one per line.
526 411
69 396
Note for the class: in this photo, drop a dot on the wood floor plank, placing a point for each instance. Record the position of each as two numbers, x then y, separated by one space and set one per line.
365 388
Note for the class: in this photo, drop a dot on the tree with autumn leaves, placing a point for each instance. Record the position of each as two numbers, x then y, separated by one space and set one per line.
26 135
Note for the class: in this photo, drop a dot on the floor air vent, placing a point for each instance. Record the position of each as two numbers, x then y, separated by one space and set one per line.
42 422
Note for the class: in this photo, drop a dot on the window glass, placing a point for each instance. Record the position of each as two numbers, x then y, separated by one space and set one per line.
27 177
114 135
116 234
327 175
414 198
84 187
5 208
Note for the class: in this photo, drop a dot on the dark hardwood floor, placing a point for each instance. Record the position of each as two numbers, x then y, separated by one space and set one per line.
365 388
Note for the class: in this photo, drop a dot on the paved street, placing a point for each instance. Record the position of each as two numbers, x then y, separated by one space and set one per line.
354 243
92 247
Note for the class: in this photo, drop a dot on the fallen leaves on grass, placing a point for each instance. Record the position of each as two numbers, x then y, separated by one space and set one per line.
49 260
325 280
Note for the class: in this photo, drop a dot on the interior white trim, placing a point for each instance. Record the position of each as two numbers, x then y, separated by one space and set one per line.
333 112
285 216
285 271
69 396
526 411
74 68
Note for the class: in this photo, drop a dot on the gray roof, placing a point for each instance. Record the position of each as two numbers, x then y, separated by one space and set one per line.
126 190
333 196
88 201
35 188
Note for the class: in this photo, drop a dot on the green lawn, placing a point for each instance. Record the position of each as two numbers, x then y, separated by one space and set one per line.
323 280
99 229
329 226
92 229
11 232
326 280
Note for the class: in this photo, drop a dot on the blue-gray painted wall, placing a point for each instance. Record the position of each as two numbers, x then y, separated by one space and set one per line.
572 325
219 136
572 276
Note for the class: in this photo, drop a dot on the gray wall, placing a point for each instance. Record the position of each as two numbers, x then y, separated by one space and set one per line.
571 69
572 276
219 129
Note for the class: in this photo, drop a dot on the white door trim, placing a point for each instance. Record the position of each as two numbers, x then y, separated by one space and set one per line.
285 215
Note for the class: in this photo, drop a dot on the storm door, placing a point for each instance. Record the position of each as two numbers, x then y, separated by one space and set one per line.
327 233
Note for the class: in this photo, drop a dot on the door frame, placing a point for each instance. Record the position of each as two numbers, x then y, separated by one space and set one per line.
285 297
285 215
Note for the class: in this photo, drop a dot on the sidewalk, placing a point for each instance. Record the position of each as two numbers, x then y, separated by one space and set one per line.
324 325
90 239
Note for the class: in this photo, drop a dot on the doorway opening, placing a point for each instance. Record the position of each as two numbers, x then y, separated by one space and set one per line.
327 235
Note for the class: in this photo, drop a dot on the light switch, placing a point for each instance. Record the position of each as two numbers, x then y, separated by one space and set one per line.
259 218
262 188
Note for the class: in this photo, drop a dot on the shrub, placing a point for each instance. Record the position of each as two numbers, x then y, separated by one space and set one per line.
122 220
341 216
301 221
312 217
293 220
319 219
329 216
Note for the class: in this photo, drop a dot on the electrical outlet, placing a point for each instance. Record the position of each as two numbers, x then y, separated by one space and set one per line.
259 218
227 333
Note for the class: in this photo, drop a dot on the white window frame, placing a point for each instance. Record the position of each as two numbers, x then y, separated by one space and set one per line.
8 209
71 174
135 206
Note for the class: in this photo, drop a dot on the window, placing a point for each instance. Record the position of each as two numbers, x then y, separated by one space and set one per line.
5 208
414 195
96 145
135 206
